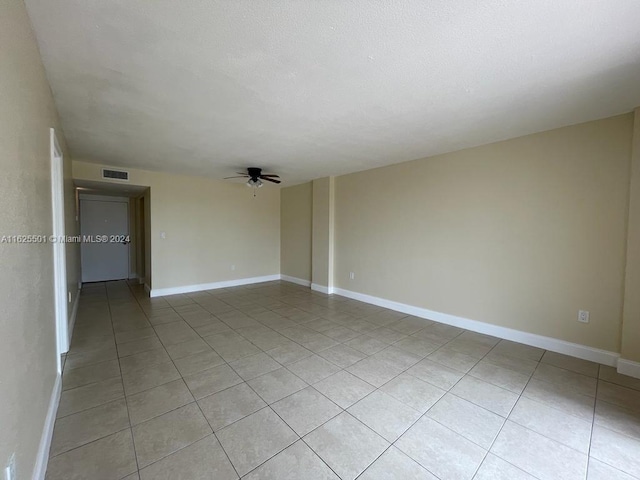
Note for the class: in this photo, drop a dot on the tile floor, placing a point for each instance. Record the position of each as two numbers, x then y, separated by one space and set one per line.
273 381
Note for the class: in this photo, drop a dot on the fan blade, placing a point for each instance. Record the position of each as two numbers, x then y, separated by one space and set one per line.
242 173
269 179
271 175
242 176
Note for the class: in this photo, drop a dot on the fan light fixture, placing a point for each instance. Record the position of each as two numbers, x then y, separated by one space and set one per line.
254 183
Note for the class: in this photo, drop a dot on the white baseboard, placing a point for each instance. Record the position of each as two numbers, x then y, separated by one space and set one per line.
42 459
160 292
322 289
629 367
604 357
299 281
74 313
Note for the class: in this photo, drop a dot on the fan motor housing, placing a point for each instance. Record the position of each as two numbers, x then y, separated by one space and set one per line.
254 172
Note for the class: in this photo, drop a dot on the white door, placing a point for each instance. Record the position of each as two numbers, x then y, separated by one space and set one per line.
106 255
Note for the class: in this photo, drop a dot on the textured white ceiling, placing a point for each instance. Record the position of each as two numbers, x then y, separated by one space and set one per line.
324 87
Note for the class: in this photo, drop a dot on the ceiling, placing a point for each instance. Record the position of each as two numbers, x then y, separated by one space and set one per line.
314 88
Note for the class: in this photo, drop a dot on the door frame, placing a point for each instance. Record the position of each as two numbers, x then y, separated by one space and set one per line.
59 249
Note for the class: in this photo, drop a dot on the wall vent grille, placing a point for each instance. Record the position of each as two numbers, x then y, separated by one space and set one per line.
115 174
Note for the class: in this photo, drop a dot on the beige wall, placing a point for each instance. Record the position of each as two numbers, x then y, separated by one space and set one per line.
521 233
210 225
631 316
27 329
295 231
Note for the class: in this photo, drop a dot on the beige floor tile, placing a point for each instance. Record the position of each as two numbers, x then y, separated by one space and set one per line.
412 391
236 350
561 397
148 377
343 388
305 410
493 398
441 451
137 334
254 439
77 377
223 338
175 332
313 369
294 463
289 352
138 346
410 325
140 361
395 465
110 458
616 449
203 459
609 374
555 424
538 455
417 346
89 425
494 468
602 471
374 371
254 366
579 383
346 445
366 344
209 328
520 350
276 385
342 355
453 359
436 374
157 401
517 364
212 381
574 364
469 348
91 357
467 419
186 349
397 358
619 395
385 415
89 396
500 376
618 419
230 405
168 433
198 362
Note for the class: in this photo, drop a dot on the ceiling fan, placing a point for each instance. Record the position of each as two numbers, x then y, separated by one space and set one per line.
256 177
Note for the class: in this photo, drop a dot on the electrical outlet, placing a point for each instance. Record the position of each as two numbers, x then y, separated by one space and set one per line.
233 267
352 276
10 470
69 296
583 316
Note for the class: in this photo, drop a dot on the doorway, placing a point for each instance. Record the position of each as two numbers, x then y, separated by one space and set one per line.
104 228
